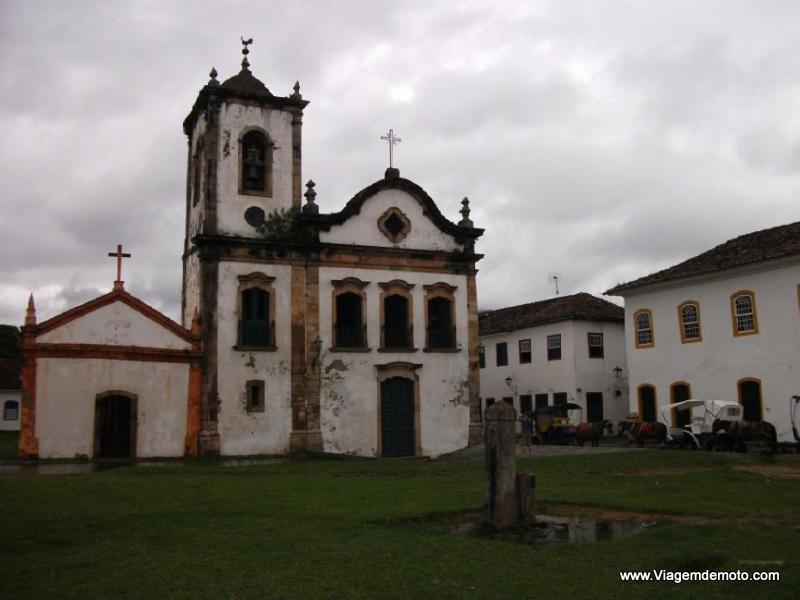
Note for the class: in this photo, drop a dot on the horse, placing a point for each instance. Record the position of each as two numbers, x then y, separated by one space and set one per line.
641 432
593 431
733 435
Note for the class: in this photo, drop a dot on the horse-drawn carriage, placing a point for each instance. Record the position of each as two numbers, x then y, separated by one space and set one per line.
720 426
551 424
554 425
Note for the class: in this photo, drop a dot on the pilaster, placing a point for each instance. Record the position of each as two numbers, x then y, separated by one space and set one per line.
297 144
475 421
208 439
28 442
298 439
313 371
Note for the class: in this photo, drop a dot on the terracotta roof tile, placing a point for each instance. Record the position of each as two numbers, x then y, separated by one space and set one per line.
751 248
578 307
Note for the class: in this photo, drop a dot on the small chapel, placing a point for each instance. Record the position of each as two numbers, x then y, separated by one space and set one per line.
353 332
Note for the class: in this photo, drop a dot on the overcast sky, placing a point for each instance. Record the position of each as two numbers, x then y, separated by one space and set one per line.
601 140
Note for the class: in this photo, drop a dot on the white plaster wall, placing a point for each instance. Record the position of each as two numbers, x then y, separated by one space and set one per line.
349 392
66 390
597 374
242 432
363 227
233 119
115 324
540 376
6 395
576 373
196 211
191 289
714 366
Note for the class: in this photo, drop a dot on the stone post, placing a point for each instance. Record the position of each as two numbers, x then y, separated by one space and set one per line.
502 501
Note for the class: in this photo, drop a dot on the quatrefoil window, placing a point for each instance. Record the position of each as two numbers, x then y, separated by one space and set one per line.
394 224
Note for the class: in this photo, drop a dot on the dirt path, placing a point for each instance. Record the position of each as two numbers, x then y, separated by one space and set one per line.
539 451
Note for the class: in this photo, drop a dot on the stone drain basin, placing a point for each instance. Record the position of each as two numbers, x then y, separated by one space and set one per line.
546 529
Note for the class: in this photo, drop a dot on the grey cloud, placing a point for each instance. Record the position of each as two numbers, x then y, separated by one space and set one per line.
603 141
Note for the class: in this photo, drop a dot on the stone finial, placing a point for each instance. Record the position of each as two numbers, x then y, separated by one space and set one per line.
196 327
311 195
245 52
465 220
296 95
391 173
213 75
30 312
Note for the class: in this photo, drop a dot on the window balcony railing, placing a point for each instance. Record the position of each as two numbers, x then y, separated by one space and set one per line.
441 338
256 333
397 337
351 336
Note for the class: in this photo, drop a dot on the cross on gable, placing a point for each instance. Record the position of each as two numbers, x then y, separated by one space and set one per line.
389 137
119 255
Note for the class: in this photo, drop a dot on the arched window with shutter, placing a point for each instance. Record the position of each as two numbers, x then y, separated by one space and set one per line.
256 312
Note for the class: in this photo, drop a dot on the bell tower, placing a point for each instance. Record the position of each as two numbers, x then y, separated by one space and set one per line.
243 163
244 152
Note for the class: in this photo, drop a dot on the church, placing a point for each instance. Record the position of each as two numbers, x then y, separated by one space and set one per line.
353 332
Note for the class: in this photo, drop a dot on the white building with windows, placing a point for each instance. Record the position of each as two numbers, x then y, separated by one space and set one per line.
568 349
723 325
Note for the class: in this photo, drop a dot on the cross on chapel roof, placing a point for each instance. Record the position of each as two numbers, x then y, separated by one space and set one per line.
119 254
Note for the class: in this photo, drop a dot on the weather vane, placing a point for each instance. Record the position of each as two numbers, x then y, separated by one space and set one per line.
389 137
245 51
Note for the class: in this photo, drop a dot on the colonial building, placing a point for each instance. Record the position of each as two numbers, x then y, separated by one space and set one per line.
565 349
723 325
352 332
110 378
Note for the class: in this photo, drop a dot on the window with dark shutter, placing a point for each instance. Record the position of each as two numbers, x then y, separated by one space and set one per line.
255 326
441 333
524 351
554 347
501 350
595 341
255 395
349 321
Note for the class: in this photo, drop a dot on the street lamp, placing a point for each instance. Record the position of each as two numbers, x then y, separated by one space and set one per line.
317 345
617 372
508 381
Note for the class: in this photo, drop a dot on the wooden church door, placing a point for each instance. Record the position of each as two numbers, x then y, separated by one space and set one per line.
114 434
397 416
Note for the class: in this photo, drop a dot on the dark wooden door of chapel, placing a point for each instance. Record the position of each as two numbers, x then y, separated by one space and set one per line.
397 417
115 427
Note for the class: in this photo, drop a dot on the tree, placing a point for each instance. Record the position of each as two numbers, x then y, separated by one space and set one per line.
10 342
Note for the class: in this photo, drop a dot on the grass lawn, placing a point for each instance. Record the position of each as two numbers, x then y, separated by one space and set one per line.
352 529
